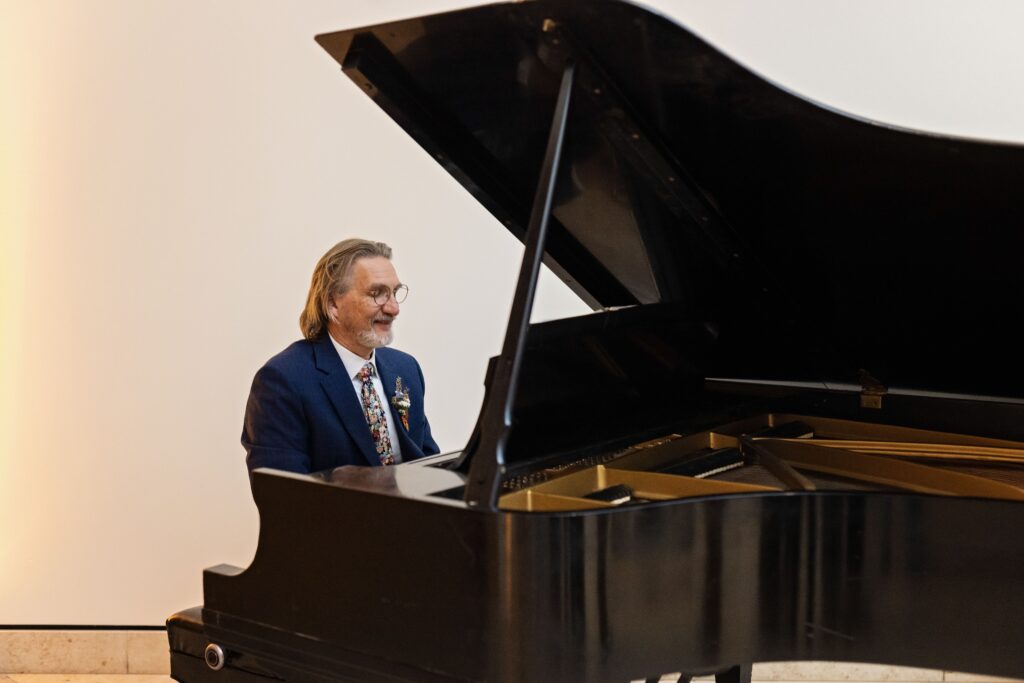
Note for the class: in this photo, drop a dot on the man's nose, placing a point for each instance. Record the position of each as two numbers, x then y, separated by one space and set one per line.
391 306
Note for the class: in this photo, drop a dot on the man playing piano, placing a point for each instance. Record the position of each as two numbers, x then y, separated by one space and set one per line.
339 397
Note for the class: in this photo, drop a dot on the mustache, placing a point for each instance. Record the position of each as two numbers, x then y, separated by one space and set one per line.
384 318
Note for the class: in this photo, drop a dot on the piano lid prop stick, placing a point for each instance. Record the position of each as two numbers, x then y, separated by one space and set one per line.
492 430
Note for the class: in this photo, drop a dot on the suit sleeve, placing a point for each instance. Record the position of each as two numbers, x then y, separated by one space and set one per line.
274 433
429 446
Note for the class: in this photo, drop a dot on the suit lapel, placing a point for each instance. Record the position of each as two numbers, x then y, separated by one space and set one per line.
338 386
389 377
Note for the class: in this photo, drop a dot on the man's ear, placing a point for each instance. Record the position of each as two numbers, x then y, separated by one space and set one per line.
332 309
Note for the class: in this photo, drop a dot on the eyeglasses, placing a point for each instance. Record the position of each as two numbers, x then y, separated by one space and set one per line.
381 295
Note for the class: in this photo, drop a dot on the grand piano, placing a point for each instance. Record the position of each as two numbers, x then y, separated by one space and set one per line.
792 428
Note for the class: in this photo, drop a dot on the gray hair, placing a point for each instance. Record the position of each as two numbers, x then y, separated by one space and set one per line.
333 276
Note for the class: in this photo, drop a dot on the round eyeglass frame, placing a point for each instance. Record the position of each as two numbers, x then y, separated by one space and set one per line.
399 293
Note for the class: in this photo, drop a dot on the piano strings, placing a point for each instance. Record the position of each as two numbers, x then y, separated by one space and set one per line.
774 453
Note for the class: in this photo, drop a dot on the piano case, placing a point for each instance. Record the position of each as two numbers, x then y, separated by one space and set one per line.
193 657
792 429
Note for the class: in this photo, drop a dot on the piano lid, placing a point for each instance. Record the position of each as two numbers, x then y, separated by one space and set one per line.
810 245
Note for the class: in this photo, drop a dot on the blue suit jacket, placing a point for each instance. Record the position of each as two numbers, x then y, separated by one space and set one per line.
304 416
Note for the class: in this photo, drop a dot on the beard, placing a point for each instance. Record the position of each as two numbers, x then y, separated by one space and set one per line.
372 339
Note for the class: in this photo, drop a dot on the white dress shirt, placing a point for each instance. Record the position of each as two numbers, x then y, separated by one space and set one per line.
354 367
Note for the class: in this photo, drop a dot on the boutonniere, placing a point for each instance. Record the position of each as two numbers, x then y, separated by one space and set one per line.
401 402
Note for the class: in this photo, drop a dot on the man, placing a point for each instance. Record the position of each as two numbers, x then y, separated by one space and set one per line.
339 397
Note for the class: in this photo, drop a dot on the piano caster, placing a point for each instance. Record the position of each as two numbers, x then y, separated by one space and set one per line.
215 657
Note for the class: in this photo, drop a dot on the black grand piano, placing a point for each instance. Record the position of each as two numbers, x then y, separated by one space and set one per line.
792 429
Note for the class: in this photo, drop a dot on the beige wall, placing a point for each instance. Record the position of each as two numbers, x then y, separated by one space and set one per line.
169 173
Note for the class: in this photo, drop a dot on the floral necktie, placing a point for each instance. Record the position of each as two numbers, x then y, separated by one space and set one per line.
375 416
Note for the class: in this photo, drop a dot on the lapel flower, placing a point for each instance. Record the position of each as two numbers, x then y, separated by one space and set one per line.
401 402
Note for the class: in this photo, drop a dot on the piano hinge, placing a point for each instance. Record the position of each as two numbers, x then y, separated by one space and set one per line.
871 391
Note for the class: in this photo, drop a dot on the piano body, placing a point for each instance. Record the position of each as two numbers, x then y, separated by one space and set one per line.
792 429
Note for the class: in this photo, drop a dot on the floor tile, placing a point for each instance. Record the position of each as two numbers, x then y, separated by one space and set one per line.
148 653
87 678
91 652
841 671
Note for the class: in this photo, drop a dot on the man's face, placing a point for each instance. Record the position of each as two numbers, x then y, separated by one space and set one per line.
359 323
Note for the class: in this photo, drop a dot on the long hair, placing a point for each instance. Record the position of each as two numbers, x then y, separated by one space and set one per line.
333 276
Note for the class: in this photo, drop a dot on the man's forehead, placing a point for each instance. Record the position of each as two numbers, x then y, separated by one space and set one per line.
375 269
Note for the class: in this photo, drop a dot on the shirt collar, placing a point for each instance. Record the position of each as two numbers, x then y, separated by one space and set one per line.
353 362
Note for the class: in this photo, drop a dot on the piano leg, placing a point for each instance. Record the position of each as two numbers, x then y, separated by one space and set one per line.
737 674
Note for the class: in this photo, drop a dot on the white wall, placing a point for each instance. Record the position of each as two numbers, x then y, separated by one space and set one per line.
171 171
